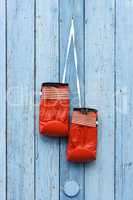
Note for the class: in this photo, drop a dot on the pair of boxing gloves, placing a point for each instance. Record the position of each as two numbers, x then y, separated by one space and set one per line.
54 121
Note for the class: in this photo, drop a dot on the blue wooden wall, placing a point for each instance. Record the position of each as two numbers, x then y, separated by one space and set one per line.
33 43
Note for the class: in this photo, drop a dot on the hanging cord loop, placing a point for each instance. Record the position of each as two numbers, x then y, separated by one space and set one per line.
72 38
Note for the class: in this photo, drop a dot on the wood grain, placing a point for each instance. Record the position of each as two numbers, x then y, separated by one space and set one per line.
69 9
47 149
20 100
124 100
99 93
2 101
33 43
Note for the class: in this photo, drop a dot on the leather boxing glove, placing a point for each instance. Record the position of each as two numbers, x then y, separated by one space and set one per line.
83 135
54 109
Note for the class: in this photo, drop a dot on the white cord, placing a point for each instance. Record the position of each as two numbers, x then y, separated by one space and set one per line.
72 37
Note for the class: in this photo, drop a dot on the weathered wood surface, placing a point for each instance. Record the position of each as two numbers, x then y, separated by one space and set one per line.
47 149
124 100
33 43
99 93
2 100
69 9
20 100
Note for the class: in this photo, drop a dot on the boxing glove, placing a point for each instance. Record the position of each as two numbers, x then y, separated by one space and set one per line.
83 135
54 109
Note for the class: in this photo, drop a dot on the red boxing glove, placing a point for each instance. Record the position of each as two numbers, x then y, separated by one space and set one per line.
83 135
54 109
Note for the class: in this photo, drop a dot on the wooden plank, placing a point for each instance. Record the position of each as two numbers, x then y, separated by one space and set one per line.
47 149
2 101
124 100
69 9
99 93
20 104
